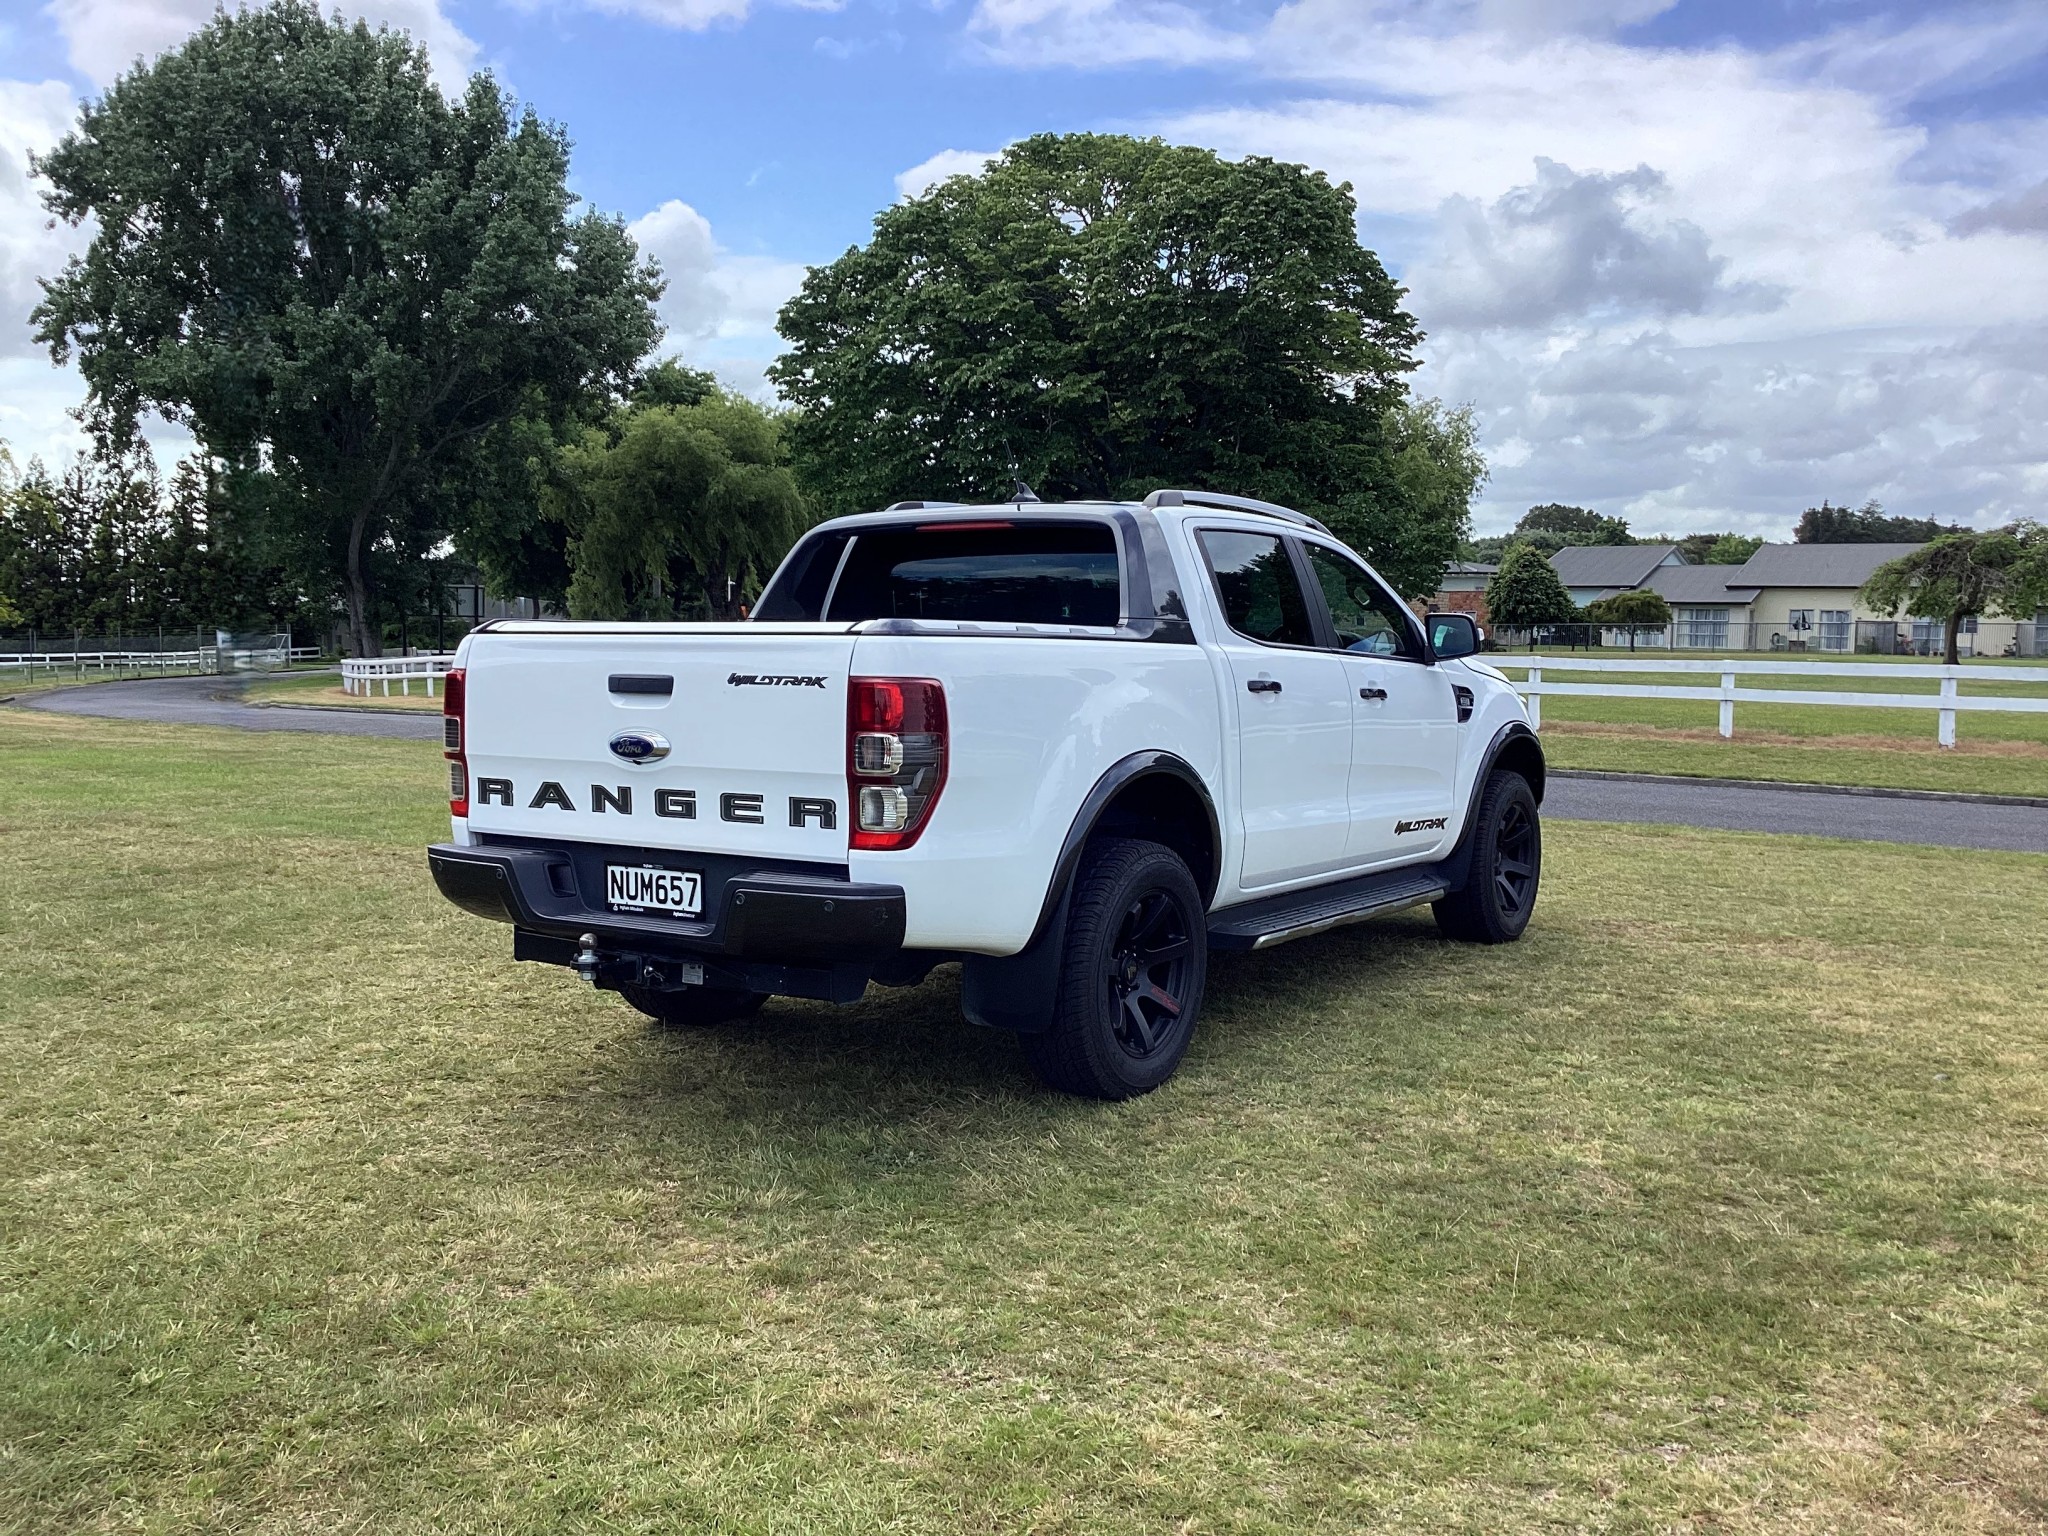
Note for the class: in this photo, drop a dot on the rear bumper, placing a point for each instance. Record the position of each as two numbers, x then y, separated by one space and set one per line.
773 916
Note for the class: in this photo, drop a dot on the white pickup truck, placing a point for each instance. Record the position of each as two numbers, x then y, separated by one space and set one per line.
1072 747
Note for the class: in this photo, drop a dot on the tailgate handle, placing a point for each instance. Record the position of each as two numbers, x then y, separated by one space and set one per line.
635 682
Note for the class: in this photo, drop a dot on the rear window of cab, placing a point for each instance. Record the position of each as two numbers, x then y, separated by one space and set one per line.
990 573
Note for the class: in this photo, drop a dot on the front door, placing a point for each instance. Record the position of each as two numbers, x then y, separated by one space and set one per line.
1404 739
1293 710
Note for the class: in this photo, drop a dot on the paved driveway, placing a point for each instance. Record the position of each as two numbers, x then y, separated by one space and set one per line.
213 701
1745 808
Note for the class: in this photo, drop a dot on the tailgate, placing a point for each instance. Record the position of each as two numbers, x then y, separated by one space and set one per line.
724 738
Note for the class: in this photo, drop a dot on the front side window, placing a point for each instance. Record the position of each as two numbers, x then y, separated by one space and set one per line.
1834 629
1368 618
1255 581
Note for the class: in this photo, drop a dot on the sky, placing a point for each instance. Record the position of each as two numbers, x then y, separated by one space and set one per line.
1699 263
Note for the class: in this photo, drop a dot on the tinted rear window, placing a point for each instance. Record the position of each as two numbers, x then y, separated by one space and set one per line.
1062 573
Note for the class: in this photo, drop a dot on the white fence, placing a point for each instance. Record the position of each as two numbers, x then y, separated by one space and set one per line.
1946 704
79 662
362 674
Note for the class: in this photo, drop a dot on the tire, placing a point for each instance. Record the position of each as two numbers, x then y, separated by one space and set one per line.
1132 970
1507 866
693 1007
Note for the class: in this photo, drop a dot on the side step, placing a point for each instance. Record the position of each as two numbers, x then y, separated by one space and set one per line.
1297 914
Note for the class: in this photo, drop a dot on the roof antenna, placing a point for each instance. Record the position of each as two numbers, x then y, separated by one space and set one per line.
1019 491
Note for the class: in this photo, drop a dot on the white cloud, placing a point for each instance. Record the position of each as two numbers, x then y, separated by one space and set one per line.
105 37
1760 280
720 306
1570 246
1099 33
947 163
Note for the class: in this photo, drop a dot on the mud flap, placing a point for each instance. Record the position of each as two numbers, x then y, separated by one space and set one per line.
1017 992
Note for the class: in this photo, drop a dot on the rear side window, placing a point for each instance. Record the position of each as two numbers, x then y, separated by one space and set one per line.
1057 573
1261 595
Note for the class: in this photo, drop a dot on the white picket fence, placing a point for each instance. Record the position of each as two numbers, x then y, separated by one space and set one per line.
209 659
1946 704
361 674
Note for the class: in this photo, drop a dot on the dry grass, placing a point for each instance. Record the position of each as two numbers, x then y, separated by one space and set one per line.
1714 1205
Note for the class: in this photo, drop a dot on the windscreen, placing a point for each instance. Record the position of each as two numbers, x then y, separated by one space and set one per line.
1047 573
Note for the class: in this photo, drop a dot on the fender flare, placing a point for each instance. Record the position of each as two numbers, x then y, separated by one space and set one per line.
1119 777
1457 865
1016 991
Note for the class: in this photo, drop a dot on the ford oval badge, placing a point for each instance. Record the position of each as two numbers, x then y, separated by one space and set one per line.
639 747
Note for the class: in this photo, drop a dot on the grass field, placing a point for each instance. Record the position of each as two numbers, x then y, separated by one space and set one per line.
1715 1205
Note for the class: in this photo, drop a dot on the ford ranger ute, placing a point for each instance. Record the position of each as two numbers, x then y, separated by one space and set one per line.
1071 747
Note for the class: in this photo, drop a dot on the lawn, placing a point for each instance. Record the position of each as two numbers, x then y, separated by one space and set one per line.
1716 1204
324 688
1996 753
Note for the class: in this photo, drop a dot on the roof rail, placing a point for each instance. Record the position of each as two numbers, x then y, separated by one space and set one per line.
921 506
1164 498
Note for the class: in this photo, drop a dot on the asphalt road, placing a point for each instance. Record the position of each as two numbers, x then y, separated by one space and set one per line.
1758 808
212 701
1745 808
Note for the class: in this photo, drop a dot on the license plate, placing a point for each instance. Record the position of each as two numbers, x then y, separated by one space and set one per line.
643 888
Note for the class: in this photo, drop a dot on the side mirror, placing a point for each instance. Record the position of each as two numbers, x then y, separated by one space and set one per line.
1452 635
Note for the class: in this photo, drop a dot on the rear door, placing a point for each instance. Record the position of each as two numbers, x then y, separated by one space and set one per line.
726 738
1404 737
1292 708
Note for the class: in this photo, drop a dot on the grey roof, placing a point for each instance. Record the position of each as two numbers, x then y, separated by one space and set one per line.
1470 568
1815 565
1696 584
1609 565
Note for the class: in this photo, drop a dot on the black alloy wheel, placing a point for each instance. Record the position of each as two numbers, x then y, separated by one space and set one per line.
1133 963
1499 894
1514 858
1148 972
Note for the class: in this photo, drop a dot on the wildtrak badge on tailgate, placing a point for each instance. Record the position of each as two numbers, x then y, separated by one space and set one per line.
760 680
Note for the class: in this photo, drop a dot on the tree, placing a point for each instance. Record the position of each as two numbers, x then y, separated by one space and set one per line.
1526 591
1961 575
1641 608
1576 525
1437 468
344 284
1730 549
1868 524
1112 315
677 509
1632 611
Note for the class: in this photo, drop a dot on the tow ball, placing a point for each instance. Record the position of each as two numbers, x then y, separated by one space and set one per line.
586 958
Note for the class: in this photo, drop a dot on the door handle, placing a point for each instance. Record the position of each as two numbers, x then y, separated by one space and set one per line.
1264 685
1372 693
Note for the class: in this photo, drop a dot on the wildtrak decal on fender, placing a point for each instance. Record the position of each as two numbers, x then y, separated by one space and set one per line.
1427 824
670 804
759 680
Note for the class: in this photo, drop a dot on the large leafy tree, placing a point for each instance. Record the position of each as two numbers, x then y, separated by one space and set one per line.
1867 524
1574 525
1112 315
676 510
1962 575
376 299
1526 591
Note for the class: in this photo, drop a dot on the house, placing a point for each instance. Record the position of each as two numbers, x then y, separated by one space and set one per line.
1463 590
1803 597
1593 571
1787 597
1706 614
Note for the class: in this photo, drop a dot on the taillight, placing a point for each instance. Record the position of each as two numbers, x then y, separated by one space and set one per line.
895 757
453 744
